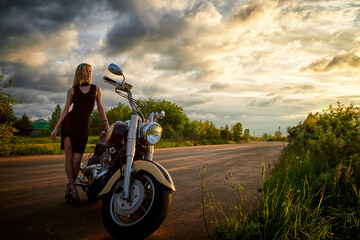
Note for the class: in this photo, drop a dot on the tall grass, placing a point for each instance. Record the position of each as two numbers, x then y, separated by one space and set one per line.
313 191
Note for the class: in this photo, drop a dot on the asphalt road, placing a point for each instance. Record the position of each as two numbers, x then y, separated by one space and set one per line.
32 191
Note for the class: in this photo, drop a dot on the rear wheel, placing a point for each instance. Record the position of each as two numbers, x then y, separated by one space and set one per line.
142 214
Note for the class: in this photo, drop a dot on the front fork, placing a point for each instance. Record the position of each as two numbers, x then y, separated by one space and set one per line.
130 153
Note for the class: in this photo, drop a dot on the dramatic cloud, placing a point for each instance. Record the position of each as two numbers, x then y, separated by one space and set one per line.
260 62
342 61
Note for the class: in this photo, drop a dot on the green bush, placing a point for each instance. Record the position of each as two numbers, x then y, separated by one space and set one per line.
6 135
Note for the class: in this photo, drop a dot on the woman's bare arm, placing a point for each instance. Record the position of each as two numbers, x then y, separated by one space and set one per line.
100 108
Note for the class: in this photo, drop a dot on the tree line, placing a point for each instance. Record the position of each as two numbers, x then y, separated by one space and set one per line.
176 125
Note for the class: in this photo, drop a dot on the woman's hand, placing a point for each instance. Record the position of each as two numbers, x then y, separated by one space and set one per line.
53 134
106 126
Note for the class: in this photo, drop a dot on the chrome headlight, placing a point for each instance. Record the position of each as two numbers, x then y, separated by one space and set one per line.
152 133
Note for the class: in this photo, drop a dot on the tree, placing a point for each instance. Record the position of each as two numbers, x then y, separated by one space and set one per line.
175 120
225 133
23 125
237 132
7 118
96 124
211 131
118 113
55 116
247 135
6 102
266 136
278 134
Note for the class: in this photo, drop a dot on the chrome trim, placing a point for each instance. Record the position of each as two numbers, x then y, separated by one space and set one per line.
82 183
145 132
150 153
91 168
82 168
151 117
112 150
97 176
130 153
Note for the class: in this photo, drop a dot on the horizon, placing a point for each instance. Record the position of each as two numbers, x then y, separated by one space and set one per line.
265 64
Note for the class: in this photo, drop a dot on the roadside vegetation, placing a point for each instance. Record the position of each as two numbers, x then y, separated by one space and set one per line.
312 193
178 130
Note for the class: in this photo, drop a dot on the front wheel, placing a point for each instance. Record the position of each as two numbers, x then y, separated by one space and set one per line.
142 214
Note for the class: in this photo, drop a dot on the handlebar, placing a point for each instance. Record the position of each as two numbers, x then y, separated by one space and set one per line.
125 87
119 85
109 80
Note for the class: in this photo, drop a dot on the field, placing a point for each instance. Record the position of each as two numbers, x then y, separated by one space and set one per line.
27 145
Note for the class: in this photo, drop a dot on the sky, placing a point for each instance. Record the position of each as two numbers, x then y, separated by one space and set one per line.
263 63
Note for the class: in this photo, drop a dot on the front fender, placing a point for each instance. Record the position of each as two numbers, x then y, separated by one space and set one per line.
155 169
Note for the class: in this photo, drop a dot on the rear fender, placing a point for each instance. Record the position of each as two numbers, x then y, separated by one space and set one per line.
155 169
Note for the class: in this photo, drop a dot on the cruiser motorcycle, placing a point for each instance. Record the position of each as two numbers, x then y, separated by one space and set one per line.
135 190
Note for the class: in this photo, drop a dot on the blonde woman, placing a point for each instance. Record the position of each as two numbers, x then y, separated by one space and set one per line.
74 124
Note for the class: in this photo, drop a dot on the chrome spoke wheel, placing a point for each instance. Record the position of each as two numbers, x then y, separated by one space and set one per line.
127 212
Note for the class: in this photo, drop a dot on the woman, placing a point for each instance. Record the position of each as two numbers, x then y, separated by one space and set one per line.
74 125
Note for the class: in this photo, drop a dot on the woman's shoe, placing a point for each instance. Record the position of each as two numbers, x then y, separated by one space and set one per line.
75 200
67 194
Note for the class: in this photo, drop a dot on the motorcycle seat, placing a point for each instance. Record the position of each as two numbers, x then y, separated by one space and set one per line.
102 145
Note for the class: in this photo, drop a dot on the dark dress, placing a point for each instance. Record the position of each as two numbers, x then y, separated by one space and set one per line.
75 123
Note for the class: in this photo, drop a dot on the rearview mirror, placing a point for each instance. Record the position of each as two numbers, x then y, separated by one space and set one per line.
115 69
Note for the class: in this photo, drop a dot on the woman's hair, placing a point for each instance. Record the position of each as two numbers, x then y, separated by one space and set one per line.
78 74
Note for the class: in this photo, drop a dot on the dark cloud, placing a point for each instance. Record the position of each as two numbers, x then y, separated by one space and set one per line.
342 60
297 89
189 102
24 20
122 6
126 33
34 110
36 78
134 28
249 11
291 90
153 90
219 86
266 102
26 96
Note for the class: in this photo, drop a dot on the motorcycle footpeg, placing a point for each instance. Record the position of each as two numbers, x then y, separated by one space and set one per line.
80 184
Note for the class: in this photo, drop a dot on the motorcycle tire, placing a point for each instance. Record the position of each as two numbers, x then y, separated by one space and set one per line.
126 221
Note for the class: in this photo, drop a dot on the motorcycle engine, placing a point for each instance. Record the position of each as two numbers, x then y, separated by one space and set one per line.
105 160
98 165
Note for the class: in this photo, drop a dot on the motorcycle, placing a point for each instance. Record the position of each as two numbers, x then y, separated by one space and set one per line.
135 191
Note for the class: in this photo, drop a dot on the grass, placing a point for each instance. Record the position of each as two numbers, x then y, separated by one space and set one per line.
285 211
22 146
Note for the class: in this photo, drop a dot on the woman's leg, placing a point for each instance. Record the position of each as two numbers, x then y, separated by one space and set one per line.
69 168
76 164
69 155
